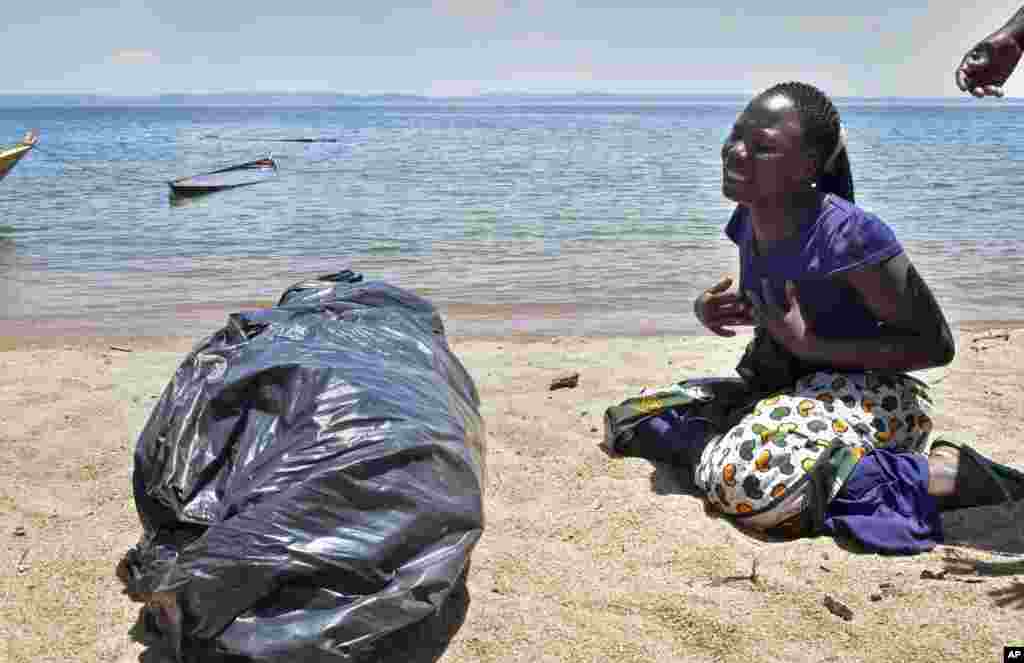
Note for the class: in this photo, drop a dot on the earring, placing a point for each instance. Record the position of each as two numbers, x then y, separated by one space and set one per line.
814 185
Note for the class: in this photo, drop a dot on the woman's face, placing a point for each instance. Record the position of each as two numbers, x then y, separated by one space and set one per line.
764 160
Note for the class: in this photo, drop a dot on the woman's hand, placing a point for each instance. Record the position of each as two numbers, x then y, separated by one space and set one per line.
717 309
787 325
987 66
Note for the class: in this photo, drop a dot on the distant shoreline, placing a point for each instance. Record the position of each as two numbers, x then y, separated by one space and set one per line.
330 99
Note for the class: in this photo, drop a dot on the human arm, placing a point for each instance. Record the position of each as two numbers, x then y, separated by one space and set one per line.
987 66
718 308
916 334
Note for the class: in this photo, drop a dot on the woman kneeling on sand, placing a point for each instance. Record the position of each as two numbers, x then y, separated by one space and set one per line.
833 435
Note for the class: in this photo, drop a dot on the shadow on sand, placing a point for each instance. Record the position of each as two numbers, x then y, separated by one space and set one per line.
993 529
422 642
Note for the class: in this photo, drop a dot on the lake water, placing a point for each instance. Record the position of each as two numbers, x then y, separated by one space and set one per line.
553 217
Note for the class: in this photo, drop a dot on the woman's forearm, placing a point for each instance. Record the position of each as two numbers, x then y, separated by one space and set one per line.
892 352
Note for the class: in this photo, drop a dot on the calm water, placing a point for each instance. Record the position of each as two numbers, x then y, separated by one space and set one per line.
582 217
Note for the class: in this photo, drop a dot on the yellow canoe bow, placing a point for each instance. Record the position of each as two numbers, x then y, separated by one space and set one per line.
9 156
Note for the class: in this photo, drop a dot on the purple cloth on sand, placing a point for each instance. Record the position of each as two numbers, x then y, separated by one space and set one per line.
671 437
885 504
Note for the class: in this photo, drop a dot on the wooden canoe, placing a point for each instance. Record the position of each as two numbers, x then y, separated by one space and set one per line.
9 156
243 174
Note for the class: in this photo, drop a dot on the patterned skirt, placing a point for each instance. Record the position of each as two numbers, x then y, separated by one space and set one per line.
758 472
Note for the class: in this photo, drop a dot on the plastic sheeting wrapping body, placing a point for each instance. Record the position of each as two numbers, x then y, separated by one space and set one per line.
311 479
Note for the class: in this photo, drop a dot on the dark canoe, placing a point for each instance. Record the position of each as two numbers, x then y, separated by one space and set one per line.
243 174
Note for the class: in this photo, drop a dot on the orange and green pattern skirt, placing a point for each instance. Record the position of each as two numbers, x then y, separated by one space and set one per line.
758 471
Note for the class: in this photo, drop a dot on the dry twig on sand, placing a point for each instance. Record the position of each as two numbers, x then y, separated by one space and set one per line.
838 609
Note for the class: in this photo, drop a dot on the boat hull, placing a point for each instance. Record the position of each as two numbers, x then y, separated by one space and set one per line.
10 157
232 177
189 190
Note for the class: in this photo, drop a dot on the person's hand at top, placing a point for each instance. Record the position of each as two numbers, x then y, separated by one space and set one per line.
986 67
718 308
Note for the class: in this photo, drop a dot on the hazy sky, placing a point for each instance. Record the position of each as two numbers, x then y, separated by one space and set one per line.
456 47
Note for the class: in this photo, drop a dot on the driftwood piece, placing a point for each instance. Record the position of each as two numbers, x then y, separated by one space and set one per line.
838 609
565 382
1004 336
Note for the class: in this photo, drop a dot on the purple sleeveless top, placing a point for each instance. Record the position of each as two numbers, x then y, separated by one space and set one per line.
842 238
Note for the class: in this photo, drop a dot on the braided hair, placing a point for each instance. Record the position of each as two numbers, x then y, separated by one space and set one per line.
820 122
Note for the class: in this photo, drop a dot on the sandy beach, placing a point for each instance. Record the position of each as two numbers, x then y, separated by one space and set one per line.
585 558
